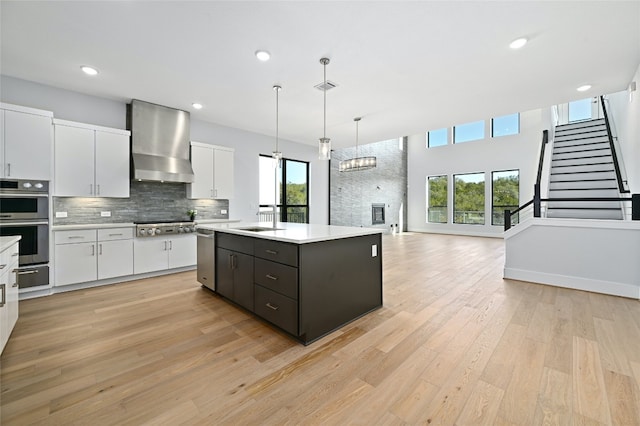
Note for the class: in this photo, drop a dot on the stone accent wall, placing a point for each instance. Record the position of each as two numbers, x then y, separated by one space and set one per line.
353 193
147 201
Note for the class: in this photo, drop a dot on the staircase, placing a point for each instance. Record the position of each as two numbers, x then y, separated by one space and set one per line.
582 167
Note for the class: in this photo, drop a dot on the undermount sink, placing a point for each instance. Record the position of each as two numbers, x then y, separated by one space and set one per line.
258 229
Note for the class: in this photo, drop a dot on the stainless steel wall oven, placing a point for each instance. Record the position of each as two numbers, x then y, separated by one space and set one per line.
24 211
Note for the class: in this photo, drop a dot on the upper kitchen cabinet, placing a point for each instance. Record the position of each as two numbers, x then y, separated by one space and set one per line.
25 143
90 161
213 171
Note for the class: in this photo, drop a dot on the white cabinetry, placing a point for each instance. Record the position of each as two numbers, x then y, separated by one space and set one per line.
213 171
90 254
25 143
90 161
157 253
8 293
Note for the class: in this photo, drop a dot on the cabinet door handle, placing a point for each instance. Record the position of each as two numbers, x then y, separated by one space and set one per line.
90 189
93 250
98 189
272 277
3 288
235 262
271 252
165 245
8 172
3 266
15 254
270 306
211 192
170 245
230 261
100 249
23 272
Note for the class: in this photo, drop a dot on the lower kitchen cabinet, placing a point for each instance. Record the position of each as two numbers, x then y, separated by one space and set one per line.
156 254
8 293
89 255
235 276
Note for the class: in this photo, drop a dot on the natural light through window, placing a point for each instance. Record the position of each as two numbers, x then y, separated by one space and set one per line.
580 110
505 125
437 138
468 198
468 132
505 195
437 199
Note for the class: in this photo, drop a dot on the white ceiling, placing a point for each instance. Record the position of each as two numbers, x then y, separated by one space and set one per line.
404 66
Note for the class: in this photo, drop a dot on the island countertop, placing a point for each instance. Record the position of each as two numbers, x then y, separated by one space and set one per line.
297 233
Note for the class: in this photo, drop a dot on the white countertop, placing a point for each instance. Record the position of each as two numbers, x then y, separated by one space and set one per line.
128 224
6 242
297 233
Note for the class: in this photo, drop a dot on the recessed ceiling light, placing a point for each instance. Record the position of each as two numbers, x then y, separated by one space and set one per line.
196 105
263 55
584 88
89 70
518 43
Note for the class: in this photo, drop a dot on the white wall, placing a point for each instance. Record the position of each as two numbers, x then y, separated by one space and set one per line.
519 152
591 255
84 108
625 109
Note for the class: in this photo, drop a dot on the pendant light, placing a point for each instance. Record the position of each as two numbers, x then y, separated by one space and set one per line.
324 149
277 155
357 163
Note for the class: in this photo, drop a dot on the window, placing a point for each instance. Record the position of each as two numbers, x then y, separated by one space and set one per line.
505 125
580 110
505 194
468 198
468 132
292 196
437 138
437 199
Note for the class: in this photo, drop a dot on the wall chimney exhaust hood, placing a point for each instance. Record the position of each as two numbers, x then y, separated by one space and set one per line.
160 139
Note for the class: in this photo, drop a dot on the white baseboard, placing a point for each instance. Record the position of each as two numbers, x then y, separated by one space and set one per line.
576 283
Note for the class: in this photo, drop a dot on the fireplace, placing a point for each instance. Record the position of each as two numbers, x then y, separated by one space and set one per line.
377 214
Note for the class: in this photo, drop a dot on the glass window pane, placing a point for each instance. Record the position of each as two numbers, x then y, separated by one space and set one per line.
437 138
468 198
580 110
297 214
437 199
468 132
505 195
267 184
296 182
505 125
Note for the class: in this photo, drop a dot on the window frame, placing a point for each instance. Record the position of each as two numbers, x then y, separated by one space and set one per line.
483 137
446 129
283 206
506 134
446 206
493 206
484 198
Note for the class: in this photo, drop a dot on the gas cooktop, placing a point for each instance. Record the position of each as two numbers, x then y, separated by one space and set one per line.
162 227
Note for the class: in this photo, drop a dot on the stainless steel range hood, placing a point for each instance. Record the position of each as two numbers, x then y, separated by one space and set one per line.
160 138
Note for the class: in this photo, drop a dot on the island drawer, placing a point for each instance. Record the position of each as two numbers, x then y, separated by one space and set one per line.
235 242
277 277
115 234
277 251
277 309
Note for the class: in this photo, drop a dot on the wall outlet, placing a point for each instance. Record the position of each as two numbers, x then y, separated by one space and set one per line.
223 211
61 214
105 214
374 250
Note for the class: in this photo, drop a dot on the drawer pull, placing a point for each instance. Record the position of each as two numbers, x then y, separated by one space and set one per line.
15 254
271 252
3 266
4 294
73 237
270 306
271 277
25 272
115 235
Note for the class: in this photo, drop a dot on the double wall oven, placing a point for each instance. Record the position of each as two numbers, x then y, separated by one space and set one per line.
24 211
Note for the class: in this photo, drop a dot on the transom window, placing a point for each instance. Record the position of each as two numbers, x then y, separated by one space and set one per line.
505 125
468 132
437 137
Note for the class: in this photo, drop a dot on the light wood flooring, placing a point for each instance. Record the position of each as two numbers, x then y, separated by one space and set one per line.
453 344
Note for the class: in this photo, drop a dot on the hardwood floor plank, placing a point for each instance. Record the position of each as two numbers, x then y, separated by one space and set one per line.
589 392
623 396
554 405
482 405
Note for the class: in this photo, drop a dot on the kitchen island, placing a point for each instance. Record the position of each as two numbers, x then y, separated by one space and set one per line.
308 280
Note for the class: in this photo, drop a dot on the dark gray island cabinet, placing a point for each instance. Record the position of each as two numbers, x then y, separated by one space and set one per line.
308 283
